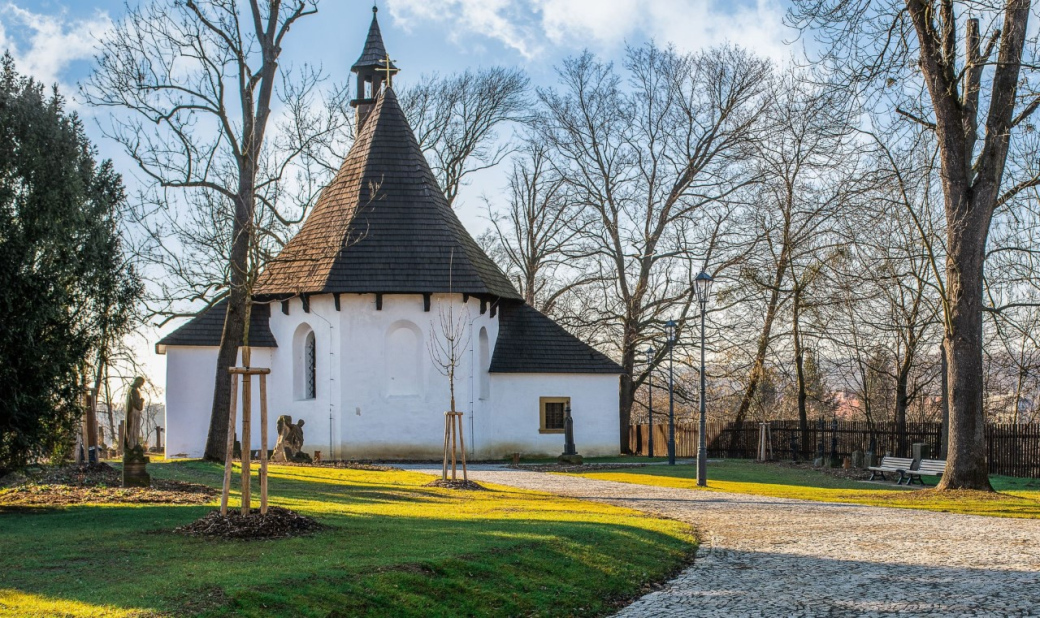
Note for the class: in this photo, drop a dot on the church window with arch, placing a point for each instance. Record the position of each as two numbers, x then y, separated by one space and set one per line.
311 367
305 364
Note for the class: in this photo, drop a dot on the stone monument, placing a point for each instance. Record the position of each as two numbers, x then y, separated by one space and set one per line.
135 461
289 446
570 453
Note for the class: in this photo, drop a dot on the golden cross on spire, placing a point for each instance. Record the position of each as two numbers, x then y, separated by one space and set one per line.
388 70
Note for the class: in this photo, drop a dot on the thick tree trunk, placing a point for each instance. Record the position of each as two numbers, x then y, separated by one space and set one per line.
799 365
970 190
627 392
966 460
944 403
234 327
902 400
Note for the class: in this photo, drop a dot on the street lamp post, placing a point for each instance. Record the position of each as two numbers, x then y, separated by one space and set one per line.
670 333
702 286
650 395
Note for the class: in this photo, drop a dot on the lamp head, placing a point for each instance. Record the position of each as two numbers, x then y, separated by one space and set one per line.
669 329
702 287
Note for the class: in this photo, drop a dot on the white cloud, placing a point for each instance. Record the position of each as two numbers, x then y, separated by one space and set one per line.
507 21
44 46
532 27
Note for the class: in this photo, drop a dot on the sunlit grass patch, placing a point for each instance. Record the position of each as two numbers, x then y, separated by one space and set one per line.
1016 497
393 547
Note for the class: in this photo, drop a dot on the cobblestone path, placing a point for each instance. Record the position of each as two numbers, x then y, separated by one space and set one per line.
763 556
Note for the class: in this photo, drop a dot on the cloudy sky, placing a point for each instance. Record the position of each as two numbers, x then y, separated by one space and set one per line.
54 41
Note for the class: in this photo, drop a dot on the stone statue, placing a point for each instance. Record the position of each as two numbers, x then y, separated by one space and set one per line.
134 459
289 447
134 414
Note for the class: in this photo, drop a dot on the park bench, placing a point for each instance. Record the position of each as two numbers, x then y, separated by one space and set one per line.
891 464
927 467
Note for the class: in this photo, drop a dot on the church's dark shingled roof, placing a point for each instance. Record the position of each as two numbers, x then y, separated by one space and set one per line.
383 226
530 342
206 328
374 54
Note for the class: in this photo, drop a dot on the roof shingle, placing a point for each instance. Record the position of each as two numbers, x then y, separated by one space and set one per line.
530 342
207 328
374 54
383 226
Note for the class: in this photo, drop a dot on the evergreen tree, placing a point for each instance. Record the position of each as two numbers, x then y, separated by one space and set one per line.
65 286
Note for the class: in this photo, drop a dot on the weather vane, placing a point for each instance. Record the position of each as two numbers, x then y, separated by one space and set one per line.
389 71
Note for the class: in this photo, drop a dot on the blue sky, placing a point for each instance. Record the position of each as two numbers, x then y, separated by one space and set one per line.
54 40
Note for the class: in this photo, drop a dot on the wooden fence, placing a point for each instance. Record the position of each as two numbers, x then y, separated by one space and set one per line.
1011 449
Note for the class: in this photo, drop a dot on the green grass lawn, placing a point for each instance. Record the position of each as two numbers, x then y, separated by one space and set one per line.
1016 498
394 548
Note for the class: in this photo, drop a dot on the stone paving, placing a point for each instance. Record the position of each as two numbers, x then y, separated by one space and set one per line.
763 556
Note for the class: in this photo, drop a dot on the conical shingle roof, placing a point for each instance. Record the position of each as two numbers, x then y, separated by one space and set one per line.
374 54
383 226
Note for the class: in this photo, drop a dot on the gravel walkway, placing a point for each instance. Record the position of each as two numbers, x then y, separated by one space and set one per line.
764 556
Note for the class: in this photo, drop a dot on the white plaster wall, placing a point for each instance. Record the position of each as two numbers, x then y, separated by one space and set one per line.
393 424
511 420
372 418
189 398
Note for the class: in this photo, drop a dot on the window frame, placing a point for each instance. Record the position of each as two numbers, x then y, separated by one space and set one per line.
566 401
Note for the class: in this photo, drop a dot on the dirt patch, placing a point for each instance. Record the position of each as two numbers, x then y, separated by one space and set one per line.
852 474
278 523
591 467
94 484
457 484
161 492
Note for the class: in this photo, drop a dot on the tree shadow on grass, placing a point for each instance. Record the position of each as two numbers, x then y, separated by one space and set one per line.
364 564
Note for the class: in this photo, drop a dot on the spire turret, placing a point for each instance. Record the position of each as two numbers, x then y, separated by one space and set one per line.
373 68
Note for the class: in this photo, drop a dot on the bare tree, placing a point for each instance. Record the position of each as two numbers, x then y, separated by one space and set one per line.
652 157
803 166
534 235
449 342
455 119
199 81
873 44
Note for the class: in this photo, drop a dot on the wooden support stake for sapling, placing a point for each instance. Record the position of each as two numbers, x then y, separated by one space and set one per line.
453 446
230 453
246 431
263 444
447 434
462 445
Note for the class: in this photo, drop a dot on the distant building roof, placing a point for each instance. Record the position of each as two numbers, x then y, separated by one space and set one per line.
530 342
383 226
206 328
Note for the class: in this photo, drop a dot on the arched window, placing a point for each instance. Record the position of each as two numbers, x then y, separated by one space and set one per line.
310 390
305 363
485 364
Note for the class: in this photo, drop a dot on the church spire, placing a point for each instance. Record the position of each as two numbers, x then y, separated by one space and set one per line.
373 68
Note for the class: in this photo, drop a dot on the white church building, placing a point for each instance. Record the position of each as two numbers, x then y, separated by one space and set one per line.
345 316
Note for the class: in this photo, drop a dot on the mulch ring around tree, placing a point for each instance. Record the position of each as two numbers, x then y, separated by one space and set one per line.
457 484
278 523
94 484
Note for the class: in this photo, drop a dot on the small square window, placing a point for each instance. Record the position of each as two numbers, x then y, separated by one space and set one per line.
553 413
